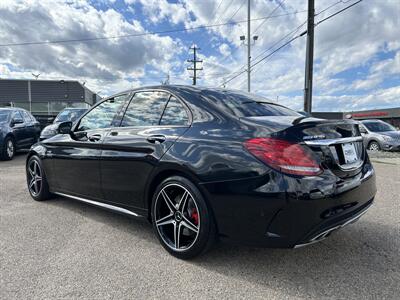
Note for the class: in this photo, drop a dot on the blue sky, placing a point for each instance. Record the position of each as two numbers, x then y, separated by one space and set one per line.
357 53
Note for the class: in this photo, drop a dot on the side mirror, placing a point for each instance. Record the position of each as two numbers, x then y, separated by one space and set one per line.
16 121
64 127
362 129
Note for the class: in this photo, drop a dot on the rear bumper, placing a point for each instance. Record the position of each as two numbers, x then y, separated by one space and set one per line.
283 212
325 230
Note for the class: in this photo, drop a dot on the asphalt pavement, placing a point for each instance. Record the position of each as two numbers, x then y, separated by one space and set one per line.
63 249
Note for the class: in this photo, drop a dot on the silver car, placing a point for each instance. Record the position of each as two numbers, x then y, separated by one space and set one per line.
379 135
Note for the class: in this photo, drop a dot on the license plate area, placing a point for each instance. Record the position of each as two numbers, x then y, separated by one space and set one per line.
349 153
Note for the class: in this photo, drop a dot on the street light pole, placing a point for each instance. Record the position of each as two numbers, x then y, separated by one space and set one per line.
308 81
248 46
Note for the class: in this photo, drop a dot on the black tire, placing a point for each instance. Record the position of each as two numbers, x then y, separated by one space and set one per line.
5 152
194 212
38 189
374 146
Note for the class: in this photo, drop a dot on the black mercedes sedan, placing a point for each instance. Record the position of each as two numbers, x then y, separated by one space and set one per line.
19 130
204 163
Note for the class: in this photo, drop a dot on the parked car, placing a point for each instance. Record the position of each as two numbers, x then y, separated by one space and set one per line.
379 135
19 130
67 114
203 163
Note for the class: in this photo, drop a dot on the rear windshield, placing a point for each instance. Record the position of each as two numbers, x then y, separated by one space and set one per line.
247 105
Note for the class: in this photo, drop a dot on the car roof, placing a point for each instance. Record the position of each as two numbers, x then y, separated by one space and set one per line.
74 108
184 88
371 121
11 108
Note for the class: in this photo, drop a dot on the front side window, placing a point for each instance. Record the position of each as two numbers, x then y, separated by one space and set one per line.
174 114
102 115
18 116
145 109
4 114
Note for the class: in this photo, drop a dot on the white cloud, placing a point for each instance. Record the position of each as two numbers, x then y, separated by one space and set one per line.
224 49
97 61
356 38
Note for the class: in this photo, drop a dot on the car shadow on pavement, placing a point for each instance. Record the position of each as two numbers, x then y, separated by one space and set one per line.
139 227
359 261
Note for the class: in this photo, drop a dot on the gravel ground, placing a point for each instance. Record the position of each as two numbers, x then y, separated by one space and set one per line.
62 249
385 157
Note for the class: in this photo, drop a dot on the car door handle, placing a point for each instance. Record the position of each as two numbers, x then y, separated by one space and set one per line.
156 138
94 138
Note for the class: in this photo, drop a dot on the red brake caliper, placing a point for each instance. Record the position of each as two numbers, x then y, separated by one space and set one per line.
195 216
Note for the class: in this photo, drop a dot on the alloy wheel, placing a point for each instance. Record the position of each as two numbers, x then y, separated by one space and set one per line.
374 147
177 217
34 178
10 148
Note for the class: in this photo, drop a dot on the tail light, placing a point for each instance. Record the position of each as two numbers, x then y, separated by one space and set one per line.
284 156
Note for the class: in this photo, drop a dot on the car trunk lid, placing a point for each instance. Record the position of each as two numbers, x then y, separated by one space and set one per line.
337 143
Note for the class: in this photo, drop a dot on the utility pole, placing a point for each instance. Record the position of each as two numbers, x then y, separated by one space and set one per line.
194 61
243 38
308 81
248 46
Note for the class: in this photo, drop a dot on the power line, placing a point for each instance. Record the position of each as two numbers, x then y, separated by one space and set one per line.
332 5
238 72
225 10
291 40
338 12
279 5
215 12
265 57
270 17
135 34
277 42
236 12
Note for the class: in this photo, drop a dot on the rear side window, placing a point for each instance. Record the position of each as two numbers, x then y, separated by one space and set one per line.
174 113
145 109
27 117
32 117
102 115
247 105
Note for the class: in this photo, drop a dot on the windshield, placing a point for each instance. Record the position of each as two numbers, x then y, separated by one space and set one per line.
4 116
379 126
69 115
247 105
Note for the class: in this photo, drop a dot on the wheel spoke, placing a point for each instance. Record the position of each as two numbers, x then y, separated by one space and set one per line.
31 172
165 220
177 234
168 201
183 201
189 225
32 182
36 186
38 178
